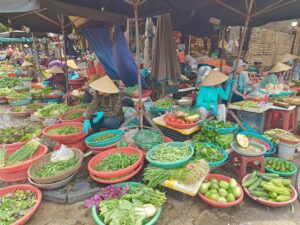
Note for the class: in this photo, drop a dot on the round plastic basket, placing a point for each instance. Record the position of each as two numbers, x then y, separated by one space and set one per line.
97 150
224 153
25 187
226 130
268 203
283 174
99 221
180 126
170 165
110 141
67 138
79 119
54 100
50 96
19 171
234 146
20 102
127 151
118 179
288 141
220 204
271 149
145 94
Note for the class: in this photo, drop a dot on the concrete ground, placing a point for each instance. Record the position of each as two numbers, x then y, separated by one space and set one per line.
179 209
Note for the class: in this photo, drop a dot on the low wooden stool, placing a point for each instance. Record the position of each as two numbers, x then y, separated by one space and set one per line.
244 161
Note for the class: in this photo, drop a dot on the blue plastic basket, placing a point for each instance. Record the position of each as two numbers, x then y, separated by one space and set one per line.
170 165
283 174
110 141
224 153
54 100
271 151
227 130
25 101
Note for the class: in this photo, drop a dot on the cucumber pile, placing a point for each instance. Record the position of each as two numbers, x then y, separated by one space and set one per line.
268 186
279 165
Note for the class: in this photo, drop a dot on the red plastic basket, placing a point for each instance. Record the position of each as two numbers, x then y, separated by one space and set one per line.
52 96
118 180
126 150
145 93
180 126
19 171
268 203
97 150
36 191
69 138
219 204
79 119
166 139
287 140
13 145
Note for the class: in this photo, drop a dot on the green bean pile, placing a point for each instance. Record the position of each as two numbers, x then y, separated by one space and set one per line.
169 153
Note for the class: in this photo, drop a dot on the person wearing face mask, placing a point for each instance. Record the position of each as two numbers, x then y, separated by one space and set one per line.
105 110
208 96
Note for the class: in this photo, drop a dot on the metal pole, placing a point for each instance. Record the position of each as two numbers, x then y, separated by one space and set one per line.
36 57
241 45
136 20
64 51
222 50
190 41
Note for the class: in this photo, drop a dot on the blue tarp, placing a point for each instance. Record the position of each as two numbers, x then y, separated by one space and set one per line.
114 55
15 39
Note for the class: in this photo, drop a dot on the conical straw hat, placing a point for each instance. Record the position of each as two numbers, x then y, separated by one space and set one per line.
280 67
29 56
287 57
26 63
71 64
105 85
214 78
55 69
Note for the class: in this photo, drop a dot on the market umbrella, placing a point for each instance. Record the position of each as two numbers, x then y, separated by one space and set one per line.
165 62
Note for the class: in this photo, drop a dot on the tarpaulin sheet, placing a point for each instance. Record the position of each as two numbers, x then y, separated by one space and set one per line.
114 55
15 6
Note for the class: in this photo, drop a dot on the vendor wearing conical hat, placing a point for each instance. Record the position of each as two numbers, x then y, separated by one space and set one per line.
209 93
58 78
29 68
105 110
275 75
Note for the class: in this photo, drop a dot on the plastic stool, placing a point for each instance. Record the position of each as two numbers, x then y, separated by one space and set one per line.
244 161
288 117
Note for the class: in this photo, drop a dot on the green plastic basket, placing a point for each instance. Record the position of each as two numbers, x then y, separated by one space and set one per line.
106 142
170 165
134 184
283 174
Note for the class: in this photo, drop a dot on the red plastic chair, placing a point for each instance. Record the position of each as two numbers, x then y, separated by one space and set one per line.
239 164
273 118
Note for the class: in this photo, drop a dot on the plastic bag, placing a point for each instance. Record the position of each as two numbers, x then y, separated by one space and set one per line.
147 139
63 154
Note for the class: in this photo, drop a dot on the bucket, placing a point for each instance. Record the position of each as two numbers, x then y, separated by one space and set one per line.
286 151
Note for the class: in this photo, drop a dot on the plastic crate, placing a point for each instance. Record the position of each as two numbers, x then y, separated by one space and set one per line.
175 135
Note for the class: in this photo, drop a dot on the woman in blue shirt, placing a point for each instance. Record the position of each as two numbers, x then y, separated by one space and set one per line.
209 93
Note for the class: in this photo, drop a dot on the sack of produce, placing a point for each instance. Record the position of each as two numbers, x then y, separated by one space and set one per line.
146 139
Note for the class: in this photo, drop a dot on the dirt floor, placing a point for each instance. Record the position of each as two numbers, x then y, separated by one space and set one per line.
179 209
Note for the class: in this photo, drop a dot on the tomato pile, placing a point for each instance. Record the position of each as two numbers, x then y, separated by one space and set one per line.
171 118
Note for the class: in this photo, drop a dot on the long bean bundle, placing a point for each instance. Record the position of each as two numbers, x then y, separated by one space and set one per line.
24 152
170 153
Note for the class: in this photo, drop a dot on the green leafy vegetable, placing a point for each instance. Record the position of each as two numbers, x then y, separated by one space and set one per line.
15 205
52 109
103 137
73 115
204 151
54 168
147 139
116 161
64 130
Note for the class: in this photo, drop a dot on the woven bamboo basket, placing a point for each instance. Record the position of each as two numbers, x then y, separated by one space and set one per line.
58 177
